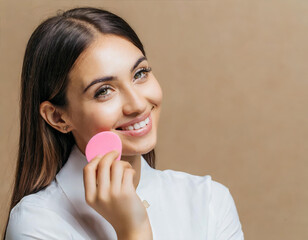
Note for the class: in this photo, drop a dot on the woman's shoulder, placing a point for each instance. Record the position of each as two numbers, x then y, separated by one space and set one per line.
35 216
193 182
33 222
44 198
210 193
35 203
205 194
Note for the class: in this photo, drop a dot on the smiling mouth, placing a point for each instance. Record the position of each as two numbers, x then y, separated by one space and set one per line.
136 126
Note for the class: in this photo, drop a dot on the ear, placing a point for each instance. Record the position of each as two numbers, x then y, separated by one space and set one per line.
55 117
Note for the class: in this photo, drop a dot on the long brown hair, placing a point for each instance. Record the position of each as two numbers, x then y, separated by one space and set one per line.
50 54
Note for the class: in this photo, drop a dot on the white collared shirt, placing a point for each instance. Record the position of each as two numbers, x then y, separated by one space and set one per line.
182 207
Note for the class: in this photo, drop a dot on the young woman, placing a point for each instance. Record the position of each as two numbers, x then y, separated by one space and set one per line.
85 71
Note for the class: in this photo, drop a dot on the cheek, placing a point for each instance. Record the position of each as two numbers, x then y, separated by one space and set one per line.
103 117
97 116
154 93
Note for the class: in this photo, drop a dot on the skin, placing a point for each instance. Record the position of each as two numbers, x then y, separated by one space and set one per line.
131 96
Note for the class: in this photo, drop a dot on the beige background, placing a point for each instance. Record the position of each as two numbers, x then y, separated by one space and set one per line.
234 76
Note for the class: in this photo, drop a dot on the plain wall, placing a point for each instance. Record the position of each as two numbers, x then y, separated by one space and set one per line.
234 78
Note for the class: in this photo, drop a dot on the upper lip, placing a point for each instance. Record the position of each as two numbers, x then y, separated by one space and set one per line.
136 120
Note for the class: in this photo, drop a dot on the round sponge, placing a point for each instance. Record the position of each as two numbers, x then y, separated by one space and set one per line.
102 143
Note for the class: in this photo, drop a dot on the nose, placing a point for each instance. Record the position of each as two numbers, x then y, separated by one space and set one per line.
134 101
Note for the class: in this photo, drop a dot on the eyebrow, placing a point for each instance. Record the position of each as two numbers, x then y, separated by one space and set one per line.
110 78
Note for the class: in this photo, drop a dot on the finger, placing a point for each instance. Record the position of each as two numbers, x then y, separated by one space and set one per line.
89 179
117 169
128 183
103 173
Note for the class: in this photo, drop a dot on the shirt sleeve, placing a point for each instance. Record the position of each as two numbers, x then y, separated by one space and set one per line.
229 226
32 222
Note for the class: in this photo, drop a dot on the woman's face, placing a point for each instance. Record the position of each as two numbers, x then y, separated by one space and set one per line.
127 93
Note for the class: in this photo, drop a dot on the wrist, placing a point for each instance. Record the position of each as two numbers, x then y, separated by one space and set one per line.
136 236
143 233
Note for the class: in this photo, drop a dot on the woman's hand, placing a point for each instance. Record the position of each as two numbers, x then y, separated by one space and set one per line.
109 189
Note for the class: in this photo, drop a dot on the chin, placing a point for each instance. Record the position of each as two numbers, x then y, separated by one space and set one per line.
138 151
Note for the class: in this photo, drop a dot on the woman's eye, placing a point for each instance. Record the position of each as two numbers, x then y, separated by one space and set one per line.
102 92
142 73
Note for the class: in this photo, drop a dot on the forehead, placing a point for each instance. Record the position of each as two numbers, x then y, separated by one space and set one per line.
107 55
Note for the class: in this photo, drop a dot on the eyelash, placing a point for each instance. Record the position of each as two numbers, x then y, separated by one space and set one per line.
105 87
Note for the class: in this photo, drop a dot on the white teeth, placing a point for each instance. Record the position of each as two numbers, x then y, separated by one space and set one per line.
142 124
138 125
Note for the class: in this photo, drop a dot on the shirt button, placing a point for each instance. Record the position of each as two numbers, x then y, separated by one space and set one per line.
145 203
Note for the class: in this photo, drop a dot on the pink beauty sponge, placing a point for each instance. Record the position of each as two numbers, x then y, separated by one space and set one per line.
102 143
